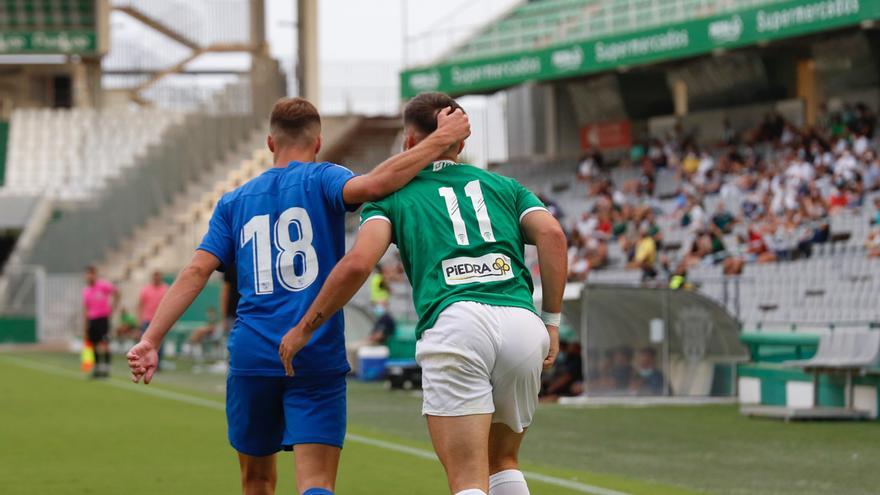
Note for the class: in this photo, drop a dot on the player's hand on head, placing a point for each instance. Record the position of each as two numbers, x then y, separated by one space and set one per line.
292 342
143 360
554 346
455 122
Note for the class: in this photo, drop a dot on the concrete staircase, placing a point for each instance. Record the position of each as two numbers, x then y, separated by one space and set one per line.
167 241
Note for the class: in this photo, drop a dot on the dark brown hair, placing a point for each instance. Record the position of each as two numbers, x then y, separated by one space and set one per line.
421 112
294 121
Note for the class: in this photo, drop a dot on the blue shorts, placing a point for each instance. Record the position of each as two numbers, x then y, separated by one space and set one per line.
266 414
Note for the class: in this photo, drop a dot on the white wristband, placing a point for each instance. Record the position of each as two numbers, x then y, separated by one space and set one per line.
552 319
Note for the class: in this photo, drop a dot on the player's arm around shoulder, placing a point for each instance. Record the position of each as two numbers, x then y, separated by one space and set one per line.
343 282
397 171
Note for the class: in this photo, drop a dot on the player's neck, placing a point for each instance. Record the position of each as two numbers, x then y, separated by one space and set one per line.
448 157
283 157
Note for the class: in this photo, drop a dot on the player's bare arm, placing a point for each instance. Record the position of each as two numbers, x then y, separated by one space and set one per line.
143 357
452 127
343 282
544 231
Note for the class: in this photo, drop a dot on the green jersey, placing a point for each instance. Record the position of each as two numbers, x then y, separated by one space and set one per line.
457 228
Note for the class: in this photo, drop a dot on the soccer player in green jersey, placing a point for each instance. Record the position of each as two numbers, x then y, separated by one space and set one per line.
461 232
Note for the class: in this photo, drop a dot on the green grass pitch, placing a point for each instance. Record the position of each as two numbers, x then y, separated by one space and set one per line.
63 434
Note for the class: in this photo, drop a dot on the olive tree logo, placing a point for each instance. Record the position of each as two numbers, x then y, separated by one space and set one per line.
425 81
567 59
726 30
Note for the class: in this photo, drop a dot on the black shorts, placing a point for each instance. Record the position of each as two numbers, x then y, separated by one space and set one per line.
99 330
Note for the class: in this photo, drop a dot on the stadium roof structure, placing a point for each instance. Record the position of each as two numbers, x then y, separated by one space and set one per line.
555 39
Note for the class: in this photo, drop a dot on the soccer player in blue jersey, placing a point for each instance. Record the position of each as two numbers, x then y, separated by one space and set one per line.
284 232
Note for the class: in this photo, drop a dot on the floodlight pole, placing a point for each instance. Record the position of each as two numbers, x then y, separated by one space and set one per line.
404 32
308 68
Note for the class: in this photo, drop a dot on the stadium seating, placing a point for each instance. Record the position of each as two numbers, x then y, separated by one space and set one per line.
47 14
536 25
837 284
73 154
835 287
170 237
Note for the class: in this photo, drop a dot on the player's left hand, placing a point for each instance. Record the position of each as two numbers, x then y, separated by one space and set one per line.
554 346
291 344
143 360
454 124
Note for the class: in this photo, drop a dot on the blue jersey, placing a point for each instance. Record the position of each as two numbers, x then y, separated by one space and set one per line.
285 231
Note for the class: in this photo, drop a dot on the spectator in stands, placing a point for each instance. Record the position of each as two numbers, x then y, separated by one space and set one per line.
774 188
647 179
872 244
621 368
728 133
207 331
590 165
694 215
647 380
128 328
566 377
757 247
872 174
384 326
99 299
723 219
380 290
645 257
552 207
876 219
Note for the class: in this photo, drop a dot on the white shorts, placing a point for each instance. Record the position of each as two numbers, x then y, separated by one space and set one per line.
480 359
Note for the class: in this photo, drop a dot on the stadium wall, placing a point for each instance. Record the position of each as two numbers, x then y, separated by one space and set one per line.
18 330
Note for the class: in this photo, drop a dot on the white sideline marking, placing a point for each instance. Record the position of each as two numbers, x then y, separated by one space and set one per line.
352 437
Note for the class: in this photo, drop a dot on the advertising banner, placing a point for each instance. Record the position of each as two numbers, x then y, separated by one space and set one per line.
697 37
606 136
49 41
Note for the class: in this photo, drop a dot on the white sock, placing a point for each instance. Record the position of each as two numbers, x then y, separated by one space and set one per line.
510 482
471 491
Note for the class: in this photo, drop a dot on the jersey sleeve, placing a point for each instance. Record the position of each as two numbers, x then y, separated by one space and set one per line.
526 201
333 180
377 210
219 240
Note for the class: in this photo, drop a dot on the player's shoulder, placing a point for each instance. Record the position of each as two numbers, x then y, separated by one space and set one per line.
491 176
332 167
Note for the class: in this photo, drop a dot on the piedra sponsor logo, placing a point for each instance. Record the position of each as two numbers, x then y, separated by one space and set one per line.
568 59
726 30
487 268
425 81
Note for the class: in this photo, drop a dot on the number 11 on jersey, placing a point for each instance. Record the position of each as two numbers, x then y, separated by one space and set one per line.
474 191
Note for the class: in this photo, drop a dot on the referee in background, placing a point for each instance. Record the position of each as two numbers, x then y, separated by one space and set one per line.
100 298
